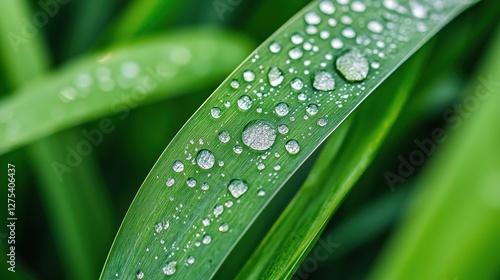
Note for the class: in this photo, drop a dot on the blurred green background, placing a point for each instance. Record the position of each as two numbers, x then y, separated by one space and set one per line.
73 244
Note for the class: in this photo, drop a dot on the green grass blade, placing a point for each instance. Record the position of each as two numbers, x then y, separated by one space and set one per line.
144 244
452 229
95 86
331 178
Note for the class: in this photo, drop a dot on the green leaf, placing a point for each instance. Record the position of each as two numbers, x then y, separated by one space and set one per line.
257 154
117 81
452 228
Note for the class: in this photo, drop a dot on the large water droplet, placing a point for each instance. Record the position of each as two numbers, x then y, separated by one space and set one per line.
312 18
244 102
296 39
326 7
249 76
275 76
259 135
324 81
353 66
169 268
337 43
295 53
237 188
205 159
292 147
275 47
178 166
281 109
375 26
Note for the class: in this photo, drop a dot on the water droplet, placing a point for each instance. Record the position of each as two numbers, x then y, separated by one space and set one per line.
281 109
312 109
238 149
277 167
170 181
159 227
218 210
83 80
302 96
375 26
229 203
244 102
206 239
348 32
275 47
215 112
224 227
169 268
337 43
259 135
249 76
261 192
358 6
296 39
417 9
312 18
205 186
295 53
178 166
130 69
237 188
190 260
261 166
191 182
324 81
326 7
139 274
224 136
235 84
283 129
297 84
324 34
311 30
275 76
322 122
353 66
206 222
205 159
292 147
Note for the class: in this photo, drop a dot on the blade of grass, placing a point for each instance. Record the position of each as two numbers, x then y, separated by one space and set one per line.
452 229
159 68
144 244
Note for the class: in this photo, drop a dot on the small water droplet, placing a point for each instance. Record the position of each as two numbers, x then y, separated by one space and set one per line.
302 96
169 268
178 166
337 43
297 39
375 26
348 32
312 109
224 136
205 159
283 129
297 84
324 81
235 84
190 260
418 10
353 66
237 188
205 186
295 53
237 149
275 47
249 76
261 166
139 274
322 122
326 7
358 6
275 76
191 182
312 18
259 135
292 147
281 109
244 102
170 181
224 227
216 112
206 222
277 167
261 192
218 210
206 239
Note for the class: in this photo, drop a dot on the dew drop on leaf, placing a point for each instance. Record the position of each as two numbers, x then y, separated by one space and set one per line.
281 109
275 76
312 109
191 182
190 260
275 47
295 53
224 136
322 122
375 26
283 129
312 18
235 84
296 39
215 112
326 7
218 210
139 274
249 76
244 102
259 135
324 81
224 227
353 66
169 268
205 159
337 43
292 147
297 84
237 188
170 181
206 239
178 166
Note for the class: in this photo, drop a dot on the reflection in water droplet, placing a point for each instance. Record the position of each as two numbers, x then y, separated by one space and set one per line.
238 149
295 53
322 122
191 182
312 109
261 192
206 222
275 76
348 32
358 6
375 26
324 81
237 188
205 186
296 39
244 102
178 166
224 136
281 109
297 84
312 18
283 129
170 182
353 66
139 274
215 112
259 135
326 7
205 159
249 76
224 227
206 239
275 47
218 210
292 147
337 43
190 260
169 268
235 84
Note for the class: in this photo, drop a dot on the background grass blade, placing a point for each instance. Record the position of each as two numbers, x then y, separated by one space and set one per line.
329 181
459 187
166 229
158 68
